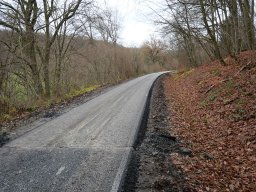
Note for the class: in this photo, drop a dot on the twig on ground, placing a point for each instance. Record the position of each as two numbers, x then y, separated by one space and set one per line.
243 68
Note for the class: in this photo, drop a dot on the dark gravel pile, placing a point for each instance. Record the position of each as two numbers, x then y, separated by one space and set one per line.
151 168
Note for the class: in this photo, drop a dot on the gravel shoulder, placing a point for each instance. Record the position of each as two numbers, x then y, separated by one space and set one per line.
151 168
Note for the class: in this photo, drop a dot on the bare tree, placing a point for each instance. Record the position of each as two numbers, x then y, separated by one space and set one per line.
108 25
153 50
63 48
69 10
21 17
218 27
247 12
87 19
211 26
29 21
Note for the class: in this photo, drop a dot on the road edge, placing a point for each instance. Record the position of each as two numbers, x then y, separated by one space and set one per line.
126 159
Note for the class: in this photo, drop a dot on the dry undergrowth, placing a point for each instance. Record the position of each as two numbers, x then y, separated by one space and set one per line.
213 112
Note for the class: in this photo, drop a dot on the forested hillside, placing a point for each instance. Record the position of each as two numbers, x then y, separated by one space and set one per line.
203 30
212 97
53 50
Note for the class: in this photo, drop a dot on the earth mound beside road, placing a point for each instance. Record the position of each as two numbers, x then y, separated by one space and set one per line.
213 113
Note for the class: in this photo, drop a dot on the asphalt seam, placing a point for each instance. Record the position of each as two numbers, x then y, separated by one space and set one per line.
118 181
110 148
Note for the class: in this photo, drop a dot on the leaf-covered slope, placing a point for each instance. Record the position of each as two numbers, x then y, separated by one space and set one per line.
214 113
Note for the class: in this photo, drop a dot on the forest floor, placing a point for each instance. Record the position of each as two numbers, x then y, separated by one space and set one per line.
213 114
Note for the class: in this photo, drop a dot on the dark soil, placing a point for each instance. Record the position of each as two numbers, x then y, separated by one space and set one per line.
150 168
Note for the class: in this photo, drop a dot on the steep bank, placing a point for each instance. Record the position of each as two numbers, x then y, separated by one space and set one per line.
213 113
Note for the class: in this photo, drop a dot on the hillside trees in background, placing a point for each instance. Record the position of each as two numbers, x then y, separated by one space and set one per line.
20 17
155 51
216 27
36 28
108 25
50 34
50 50
99 23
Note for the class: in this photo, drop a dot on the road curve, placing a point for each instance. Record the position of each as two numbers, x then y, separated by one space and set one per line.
85 149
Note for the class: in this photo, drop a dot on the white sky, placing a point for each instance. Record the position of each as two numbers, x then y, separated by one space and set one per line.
136 27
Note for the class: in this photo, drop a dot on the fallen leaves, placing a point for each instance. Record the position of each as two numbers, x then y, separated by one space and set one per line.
216 119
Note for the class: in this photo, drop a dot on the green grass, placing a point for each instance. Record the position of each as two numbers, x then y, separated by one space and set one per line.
43 103
18 89
183 74
216 72
239 114
80 91
211 97
229 86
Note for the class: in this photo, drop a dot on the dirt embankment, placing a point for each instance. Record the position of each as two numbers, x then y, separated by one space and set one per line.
213 113
201 131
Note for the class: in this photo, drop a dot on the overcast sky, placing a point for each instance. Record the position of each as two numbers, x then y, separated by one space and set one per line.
136 27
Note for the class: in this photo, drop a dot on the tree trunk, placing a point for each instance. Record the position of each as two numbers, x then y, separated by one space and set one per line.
211 34
46 62
248 22
29 49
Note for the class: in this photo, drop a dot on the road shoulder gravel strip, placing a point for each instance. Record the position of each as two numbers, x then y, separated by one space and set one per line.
150 168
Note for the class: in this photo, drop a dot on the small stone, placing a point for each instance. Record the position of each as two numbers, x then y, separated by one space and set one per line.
169 137
185 151
231 187
207 156
49 114
154 153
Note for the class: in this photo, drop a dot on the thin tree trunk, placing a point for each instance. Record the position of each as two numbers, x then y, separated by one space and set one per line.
29 47
46 74
211 34
248 22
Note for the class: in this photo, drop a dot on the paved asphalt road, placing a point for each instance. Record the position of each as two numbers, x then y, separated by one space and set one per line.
85 149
